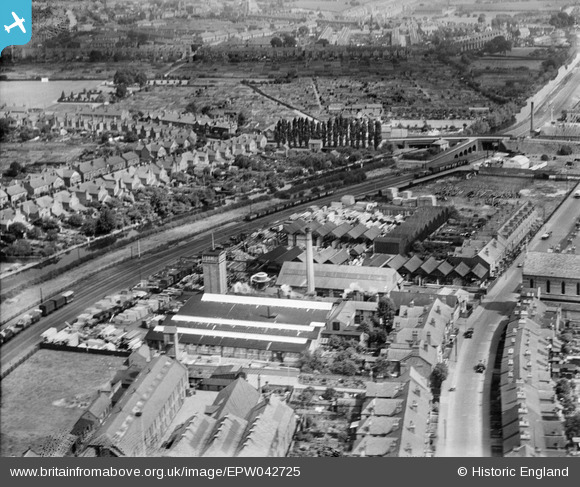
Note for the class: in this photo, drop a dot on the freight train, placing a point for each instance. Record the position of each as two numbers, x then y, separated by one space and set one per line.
436 167
34 316
287 204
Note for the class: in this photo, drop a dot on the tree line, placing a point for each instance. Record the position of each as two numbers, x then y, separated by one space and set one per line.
336 132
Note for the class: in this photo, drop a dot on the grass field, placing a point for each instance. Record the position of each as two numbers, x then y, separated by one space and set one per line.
44 152
47 394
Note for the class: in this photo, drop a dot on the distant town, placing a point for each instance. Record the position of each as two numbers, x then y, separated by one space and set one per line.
291 228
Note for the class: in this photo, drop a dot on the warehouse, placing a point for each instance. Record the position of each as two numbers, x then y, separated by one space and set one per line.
335 280
244 327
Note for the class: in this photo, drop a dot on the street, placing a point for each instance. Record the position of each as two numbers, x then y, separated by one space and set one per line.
464 413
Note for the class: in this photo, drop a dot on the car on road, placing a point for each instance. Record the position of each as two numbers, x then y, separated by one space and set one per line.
547 235
468 333
480 368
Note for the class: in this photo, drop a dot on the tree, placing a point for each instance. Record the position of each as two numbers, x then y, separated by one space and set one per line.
19 248
106 222
121 91
96 56
386 313
306 395
310 361
565 150
572 426
436 378
276 42
288 41
381 366
242 118
329 394
4 129
191 107
17 229
89 226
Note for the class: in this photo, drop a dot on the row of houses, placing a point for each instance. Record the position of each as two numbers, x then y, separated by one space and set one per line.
531 415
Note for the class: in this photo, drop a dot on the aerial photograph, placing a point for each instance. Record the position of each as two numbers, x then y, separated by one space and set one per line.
290 228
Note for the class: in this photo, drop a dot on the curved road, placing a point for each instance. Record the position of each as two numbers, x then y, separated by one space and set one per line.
464 417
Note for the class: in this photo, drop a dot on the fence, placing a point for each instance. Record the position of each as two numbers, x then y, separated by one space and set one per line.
19 361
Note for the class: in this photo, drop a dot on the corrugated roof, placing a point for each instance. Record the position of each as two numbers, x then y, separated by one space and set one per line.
340 277
544 264
341 230
413 263
462 269
430 265
444 268
479 271
372 233
357 231
397 262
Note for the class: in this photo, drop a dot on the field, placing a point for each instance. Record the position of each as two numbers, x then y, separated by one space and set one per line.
45 152
36 94
78 70
47 394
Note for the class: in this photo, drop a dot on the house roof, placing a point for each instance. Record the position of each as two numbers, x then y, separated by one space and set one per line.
15 189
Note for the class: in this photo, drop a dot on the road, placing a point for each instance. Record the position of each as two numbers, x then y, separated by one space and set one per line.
464 414
127 274
560 224
563 97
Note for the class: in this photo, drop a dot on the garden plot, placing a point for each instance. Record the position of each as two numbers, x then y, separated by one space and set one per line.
231 95
299 93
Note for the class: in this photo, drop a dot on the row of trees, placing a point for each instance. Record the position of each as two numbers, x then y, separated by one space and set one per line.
336 132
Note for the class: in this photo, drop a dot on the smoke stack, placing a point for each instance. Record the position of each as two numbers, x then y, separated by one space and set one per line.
176 344
309 262
532 118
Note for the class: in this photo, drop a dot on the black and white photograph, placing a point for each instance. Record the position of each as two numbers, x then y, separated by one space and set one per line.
291 229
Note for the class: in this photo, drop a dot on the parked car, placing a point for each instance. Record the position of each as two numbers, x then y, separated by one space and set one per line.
480 368
468 333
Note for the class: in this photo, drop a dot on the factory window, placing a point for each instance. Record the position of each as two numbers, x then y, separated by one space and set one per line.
335 325
563 287
547 286
532 283
578 289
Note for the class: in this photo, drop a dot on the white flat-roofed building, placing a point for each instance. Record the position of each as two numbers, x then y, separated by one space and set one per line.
254 327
